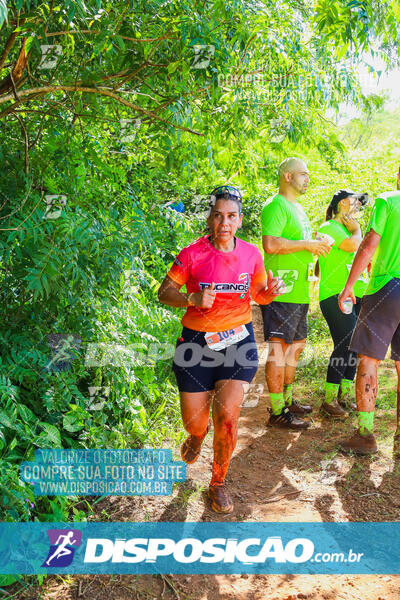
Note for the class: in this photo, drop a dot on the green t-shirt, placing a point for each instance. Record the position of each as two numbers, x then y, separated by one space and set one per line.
281 218
335 266
385 221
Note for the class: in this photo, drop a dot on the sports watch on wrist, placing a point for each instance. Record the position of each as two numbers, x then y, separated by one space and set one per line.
190 303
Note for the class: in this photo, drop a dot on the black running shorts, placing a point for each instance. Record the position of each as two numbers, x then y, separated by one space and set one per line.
379 323
286 320
197 367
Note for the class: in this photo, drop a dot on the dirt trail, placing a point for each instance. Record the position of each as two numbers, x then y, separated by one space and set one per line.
275 475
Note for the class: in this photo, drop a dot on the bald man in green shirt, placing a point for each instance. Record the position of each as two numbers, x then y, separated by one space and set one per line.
289 250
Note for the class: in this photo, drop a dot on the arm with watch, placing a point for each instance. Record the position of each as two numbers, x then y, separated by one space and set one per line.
169 294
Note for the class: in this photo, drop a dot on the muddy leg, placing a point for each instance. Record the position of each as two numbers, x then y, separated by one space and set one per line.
367 383
226 411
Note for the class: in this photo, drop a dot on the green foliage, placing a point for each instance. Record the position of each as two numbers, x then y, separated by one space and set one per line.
359 25
66 276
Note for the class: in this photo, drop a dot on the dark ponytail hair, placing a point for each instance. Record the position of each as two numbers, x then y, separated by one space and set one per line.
330 213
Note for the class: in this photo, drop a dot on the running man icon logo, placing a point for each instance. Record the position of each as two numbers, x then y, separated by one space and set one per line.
63 543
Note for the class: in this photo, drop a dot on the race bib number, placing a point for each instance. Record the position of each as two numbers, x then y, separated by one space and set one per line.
219 340
364 277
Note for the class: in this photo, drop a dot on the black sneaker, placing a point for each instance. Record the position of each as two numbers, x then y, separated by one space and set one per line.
287 420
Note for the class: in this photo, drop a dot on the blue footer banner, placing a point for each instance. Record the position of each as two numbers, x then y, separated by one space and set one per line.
193 548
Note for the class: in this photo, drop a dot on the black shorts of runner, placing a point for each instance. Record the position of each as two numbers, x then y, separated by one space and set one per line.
379 323
286 320
197 367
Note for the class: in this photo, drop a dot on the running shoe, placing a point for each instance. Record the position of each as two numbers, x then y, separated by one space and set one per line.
362 445
287 420
333 410
221 502
299 409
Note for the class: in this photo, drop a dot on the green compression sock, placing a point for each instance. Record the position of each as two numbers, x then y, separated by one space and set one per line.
365 422
346 386
331 391
288 394
277 403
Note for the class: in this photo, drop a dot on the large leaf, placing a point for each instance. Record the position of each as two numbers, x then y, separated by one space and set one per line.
51 434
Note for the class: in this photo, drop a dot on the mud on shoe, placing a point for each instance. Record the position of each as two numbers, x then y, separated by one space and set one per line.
221 502
362 445
334 410
299 409
287 420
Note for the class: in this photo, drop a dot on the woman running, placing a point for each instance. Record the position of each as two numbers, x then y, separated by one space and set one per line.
216 355
342 226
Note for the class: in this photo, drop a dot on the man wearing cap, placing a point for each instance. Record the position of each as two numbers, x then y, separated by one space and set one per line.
289 250
379 322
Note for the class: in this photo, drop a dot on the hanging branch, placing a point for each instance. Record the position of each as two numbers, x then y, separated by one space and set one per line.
39 91
96 32
13 78
9 45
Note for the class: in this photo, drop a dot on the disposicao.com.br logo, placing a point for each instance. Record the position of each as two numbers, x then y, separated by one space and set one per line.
212 550
186 547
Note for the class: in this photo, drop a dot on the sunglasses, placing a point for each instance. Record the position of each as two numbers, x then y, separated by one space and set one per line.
225 189
363 199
